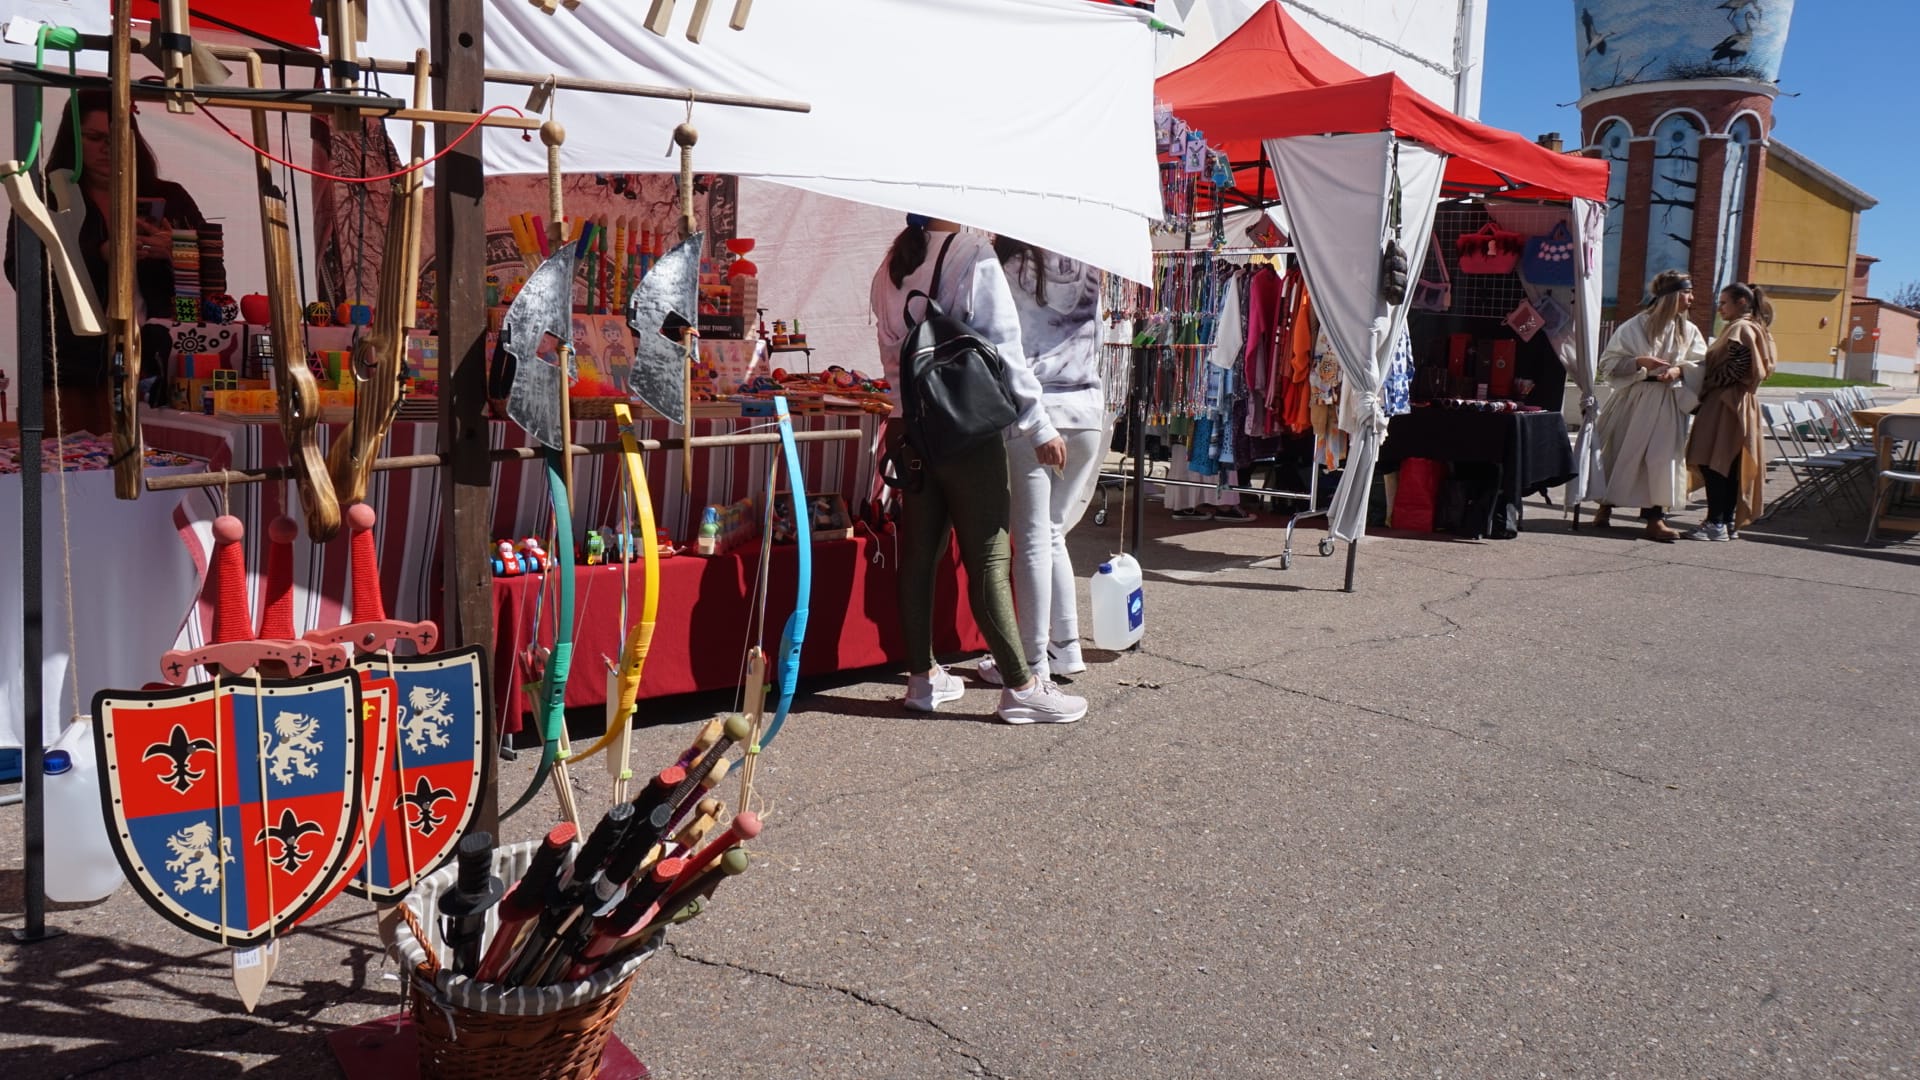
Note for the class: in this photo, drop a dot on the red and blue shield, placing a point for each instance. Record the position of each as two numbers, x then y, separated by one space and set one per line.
232 805
377 700
436 766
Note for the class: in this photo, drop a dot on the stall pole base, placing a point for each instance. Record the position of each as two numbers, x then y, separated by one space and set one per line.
386 1049
46 933
1353 551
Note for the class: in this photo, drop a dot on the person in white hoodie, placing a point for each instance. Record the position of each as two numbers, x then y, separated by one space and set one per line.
966 497
1058 300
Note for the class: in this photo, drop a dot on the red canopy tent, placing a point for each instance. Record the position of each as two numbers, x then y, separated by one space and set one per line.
1271 80
1344 145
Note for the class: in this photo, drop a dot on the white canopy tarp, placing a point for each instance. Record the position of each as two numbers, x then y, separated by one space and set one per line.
1338 190
1031 118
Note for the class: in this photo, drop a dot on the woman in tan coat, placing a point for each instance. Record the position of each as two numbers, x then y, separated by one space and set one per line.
1725 450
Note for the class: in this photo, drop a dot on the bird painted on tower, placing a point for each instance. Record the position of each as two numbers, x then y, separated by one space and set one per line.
1736 9
1596 41
1737 45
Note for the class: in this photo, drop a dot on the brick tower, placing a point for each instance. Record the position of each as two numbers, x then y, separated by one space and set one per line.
1677 95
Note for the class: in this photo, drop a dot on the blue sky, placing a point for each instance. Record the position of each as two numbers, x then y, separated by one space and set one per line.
1852 66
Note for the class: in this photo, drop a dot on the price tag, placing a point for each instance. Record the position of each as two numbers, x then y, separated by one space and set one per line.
248 958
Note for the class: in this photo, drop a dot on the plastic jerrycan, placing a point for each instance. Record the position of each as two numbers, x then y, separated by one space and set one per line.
1119 604
81 866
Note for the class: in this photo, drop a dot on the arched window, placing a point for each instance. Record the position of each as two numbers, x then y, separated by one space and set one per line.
1673 195
1612 140
1733 200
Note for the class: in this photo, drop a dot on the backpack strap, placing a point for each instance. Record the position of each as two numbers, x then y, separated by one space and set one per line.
932 295
939 264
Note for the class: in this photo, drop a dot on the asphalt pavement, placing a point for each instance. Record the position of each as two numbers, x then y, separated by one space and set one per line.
1570 805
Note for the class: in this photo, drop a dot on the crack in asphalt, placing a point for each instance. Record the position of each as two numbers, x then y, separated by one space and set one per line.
959 1046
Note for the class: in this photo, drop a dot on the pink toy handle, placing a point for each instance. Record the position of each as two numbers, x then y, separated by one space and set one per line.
227 573
370 629
276 618
367 604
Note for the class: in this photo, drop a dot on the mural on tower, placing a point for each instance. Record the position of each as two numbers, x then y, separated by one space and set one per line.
1623 42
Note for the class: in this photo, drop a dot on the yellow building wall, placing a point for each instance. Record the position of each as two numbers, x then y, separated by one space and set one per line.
1803 249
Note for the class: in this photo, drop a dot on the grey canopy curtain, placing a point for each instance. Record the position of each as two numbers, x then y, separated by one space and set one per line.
1337 189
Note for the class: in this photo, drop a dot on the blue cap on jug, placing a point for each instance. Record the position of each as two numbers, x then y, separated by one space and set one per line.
57 762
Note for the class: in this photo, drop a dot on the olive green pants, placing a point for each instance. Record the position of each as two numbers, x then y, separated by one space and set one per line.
967 497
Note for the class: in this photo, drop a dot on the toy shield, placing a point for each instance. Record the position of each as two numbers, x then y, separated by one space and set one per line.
436 767
231 804
377 701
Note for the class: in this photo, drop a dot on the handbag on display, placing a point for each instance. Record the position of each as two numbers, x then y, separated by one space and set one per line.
1549 258
1434 290
1555 319
1393 273
1525 321
1491 250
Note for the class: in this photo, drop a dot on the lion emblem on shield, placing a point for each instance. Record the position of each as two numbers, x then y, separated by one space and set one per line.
193 848
289 746
427 721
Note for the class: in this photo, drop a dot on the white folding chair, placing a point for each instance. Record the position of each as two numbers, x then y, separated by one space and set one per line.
1817 429
1817 475
1899 431
1846 433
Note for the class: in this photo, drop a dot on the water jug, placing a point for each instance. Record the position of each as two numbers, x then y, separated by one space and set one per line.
1119 605
81 867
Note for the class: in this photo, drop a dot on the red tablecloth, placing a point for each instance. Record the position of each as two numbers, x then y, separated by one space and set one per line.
408 501
706 615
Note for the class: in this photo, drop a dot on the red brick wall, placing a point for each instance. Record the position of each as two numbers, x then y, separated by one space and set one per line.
1719 108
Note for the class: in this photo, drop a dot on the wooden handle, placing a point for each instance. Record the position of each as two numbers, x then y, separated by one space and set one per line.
60 232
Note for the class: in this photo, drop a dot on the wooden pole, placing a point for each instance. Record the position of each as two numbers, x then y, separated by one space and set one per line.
230 477
456 36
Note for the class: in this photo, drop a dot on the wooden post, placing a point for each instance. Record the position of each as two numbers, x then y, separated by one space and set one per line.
460 238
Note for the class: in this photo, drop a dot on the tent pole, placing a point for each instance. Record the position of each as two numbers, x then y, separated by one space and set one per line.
456 38
1353 551
30 337
1137 442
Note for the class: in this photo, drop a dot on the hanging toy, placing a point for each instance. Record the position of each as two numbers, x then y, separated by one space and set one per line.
596 550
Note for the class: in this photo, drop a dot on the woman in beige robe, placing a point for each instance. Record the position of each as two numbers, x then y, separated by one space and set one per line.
1650 362
1725 449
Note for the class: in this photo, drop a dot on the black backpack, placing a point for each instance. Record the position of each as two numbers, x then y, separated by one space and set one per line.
953 391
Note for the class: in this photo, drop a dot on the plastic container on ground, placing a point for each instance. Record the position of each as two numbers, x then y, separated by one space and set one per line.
81 867
1119 604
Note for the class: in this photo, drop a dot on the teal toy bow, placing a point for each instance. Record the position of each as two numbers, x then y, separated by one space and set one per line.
794 634
537 403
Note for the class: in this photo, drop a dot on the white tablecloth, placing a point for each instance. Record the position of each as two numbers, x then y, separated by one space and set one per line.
133 585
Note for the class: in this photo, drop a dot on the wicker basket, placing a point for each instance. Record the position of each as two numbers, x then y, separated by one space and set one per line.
480 1031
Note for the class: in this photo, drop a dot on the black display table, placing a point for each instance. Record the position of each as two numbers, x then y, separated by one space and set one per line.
1508 455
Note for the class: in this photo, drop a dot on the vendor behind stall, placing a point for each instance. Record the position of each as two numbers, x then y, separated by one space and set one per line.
164 206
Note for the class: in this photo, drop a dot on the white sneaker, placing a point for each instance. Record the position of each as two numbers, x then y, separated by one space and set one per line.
1064 657
1043 704
928 692
1710 531
989 672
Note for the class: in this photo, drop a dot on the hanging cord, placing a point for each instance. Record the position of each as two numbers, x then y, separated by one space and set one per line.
266 804
221 857
293 198
397 173
66 513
